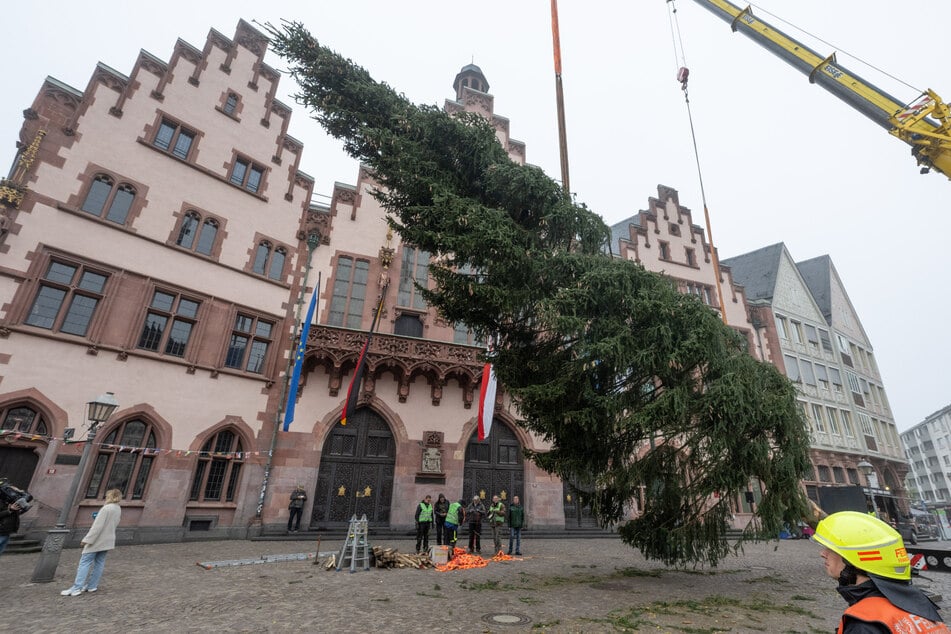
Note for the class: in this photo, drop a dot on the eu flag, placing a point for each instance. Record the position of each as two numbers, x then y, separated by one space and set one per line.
299 361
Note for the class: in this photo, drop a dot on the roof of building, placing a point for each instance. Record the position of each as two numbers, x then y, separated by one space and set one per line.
817 274
620 231
756 271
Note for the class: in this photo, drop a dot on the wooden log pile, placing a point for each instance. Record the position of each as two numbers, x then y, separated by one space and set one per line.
392 558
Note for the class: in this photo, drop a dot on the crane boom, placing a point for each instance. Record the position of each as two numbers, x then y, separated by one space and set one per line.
924 124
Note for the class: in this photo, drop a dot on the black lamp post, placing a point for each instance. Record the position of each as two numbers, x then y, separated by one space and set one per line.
97 411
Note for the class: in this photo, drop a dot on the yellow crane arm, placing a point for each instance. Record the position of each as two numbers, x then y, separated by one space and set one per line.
924 124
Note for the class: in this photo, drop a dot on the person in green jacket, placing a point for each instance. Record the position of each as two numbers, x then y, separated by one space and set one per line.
424 521
516 520
454 517
496 519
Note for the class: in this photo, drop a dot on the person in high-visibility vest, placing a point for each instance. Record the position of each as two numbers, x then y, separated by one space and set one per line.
454 517
496 519
868 558
424 521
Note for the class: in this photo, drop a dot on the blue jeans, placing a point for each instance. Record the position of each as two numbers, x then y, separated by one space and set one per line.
3 542
515 534
96 561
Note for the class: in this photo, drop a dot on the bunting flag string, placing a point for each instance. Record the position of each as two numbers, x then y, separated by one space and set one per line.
11 435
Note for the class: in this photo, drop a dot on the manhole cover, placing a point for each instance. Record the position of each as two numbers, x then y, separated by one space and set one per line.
506 619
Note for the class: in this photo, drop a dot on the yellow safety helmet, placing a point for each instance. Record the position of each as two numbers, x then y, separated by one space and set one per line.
866 542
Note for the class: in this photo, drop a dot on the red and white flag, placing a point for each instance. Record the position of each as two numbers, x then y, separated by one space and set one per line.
486 401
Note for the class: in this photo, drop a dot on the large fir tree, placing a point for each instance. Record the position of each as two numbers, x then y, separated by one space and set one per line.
642 392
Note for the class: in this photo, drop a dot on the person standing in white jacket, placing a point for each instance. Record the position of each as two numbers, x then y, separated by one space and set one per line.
97 543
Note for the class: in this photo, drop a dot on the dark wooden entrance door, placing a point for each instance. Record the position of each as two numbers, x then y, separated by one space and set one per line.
17 465
356 472
494 466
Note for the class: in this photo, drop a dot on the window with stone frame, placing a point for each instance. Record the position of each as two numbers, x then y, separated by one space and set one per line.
461 334
847 423
269 260
792 368
231 103
174 138
108 198
198 233
349 292
833 415
247 174
414 270
67 298
123 460
818 418
169 323
23 419
408 325
781 329
691 256
218 468
249 343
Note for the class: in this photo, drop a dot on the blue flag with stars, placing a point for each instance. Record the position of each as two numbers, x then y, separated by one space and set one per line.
299 361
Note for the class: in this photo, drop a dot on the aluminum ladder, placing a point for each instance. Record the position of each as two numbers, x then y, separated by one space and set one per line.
357 545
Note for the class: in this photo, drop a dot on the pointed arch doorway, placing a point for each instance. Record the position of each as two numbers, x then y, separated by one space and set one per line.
494 466
356 472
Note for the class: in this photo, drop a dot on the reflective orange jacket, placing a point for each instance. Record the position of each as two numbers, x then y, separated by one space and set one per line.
880 610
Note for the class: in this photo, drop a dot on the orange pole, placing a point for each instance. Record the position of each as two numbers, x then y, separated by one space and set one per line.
560 99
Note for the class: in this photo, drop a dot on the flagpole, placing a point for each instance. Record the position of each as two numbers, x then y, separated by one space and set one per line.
313 240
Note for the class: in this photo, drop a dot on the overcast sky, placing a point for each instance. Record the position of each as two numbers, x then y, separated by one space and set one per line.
783 161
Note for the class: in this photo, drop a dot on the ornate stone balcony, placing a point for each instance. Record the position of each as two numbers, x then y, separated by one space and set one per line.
407 358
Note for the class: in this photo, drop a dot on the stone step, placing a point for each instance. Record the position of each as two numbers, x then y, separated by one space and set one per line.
19 544
387 533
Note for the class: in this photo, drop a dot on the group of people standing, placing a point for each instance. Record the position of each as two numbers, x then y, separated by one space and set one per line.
448 517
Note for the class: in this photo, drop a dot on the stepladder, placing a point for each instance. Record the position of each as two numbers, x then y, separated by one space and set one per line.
356 548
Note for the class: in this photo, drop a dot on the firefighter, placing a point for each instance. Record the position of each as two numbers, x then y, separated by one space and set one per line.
868 558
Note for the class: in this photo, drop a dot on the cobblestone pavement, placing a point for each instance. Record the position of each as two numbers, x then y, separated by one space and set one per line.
564 585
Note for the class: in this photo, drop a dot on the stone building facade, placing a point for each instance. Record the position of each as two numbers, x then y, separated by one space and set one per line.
803 314
154 236
665 239
159 242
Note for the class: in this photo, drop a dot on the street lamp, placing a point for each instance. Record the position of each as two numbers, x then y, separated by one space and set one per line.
866 467
871 479
97 411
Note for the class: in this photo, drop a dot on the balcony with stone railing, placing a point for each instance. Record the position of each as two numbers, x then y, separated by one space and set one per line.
406 358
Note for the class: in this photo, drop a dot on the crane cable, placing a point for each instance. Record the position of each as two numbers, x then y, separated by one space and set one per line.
839 49
682 76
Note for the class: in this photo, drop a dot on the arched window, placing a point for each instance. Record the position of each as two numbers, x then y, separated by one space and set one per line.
261 257
218 468
23 419
276 270
186 234
105 194
269 260
195 234
206 239
124 460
